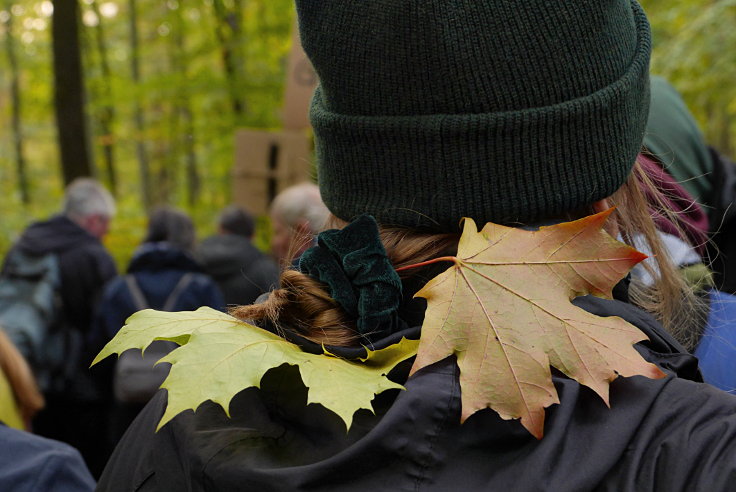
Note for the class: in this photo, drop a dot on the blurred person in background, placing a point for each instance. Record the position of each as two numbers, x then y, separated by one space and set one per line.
64 258
699 184
164 275
676 143
297 216
241 271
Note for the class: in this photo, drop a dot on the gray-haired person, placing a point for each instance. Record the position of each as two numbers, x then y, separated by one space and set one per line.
297 216
73 239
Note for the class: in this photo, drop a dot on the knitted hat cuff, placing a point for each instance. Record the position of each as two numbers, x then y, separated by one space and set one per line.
505 167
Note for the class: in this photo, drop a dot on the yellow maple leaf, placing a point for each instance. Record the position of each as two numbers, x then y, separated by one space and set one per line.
219 356
503 309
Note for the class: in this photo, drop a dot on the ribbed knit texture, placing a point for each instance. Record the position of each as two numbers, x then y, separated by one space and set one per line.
506 110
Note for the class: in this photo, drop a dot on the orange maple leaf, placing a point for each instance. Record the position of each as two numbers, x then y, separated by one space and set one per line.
504 311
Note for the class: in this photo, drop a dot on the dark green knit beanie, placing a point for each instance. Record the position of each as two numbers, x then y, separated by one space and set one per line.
500 110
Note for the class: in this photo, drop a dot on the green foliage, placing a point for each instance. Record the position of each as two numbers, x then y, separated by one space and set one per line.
220 356
180 57
694 49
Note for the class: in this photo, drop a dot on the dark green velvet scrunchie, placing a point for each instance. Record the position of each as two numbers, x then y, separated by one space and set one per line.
353 263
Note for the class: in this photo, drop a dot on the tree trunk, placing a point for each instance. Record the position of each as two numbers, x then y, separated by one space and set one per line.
16 107
69 97
194 183
229 31
184 110
106 114
163 153
139 120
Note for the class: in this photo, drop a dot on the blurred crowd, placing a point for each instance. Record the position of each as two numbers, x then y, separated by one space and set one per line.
62 300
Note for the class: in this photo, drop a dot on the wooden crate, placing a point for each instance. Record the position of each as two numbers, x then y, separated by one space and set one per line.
266 163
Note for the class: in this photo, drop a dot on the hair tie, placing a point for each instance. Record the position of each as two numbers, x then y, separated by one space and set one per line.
353 263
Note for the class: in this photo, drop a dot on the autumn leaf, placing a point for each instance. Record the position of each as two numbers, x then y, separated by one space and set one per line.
220 356
503 309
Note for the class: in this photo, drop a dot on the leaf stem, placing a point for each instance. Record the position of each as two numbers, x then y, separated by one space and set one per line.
428 262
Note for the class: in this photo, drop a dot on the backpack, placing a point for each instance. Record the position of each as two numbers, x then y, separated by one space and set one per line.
137 377
31 315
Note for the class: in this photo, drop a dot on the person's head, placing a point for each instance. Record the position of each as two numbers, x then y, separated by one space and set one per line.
509 112
171 225
297 214
514 112
236 220
90 205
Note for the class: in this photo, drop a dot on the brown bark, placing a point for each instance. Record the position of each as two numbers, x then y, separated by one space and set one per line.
69 93
16 109
184 111
106 114
229 32
138 118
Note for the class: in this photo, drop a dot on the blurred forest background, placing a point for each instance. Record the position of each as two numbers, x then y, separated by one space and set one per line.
167 82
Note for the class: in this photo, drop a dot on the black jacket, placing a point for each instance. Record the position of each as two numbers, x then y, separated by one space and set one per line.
241 271
85 266
669 434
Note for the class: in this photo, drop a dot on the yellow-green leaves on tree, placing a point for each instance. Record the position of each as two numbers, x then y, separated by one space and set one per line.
221 355
504 311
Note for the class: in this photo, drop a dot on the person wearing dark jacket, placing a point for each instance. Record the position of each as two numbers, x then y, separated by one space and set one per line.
517 112
84 264
657 435
162 275
157 268
74 237
241 271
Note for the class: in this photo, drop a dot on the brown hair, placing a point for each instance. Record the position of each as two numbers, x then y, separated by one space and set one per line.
669 298
304 304
19 375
